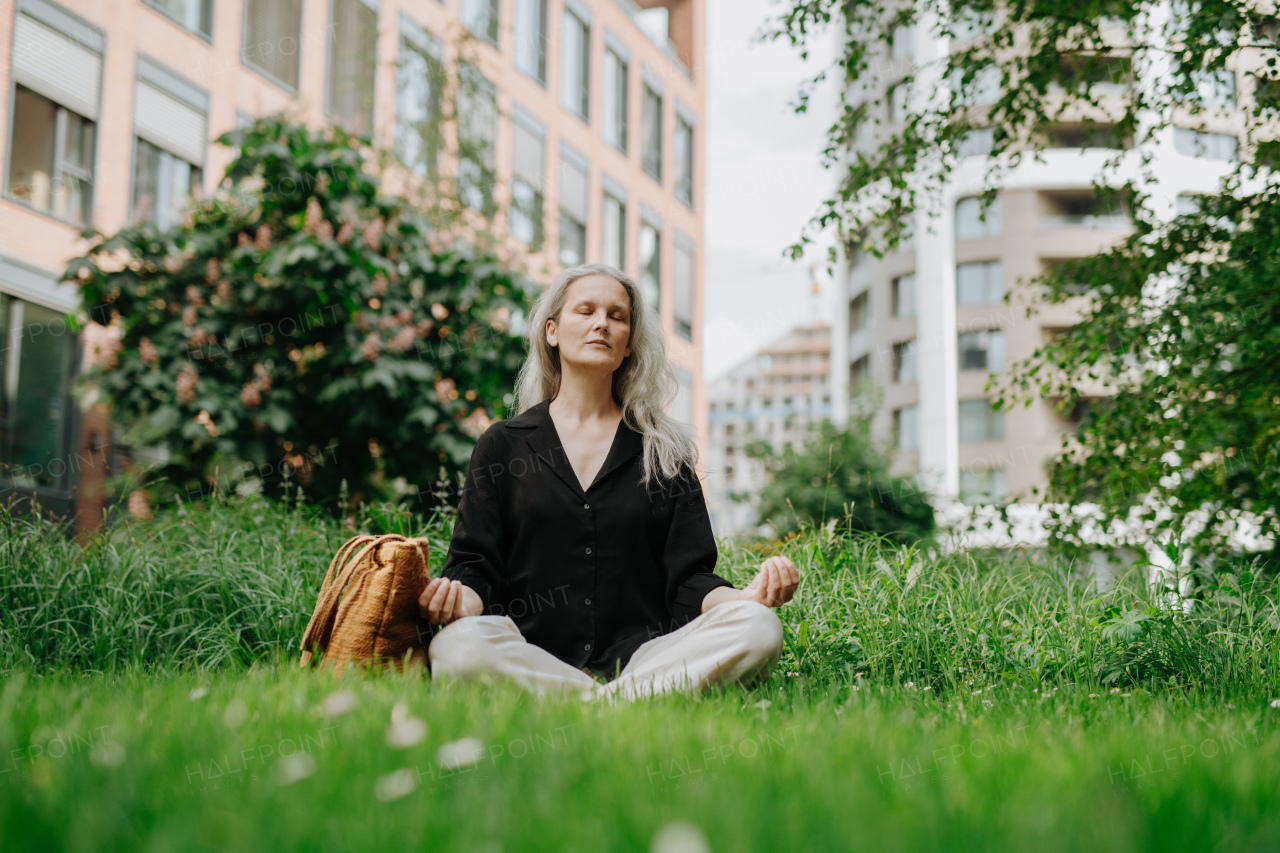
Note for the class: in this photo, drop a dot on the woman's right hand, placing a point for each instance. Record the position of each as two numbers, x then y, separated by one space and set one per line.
445 601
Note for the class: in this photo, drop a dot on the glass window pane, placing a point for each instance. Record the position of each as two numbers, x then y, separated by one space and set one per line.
573 64
524 217
481 17
613 227
613 94
682 287
352 62
530 38
651 133
32 148
973 222
683 155
271 38
146 182
195 15
573 241
650 265
39 410
979 283
904 296
417 111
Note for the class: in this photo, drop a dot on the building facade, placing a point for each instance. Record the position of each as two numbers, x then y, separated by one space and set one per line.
584 131
775 395
926 326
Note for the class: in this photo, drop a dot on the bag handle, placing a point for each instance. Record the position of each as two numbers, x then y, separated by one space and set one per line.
341 570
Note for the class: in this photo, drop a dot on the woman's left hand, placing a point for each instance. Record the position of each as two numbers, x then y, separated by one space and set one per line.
775 583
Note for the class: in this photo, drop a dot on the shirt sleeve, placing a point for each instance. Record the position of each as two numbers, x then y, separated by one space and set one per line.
475 556
690 553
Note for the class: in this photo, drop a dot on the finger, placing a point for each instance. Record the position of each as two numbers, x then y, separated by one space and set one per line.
771 591
425 597
449 610
436 606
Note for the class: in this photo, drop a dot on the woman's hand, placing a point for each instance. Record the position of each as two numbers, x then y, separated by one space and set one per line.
445 601
774 585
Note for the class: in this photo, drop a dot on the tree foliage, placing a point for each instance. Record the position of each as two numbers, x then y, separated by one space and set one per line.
1178 341
301 327
840 475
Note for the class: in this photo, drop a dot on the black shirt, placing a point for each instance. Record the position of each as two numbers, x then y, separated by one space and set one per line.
587 576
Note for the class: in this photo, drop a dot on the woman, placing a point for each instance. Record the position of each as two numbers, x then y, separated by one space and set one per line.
583 549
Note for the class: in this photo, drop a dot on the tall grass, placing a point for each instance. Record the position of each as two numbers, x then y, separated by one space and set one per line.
233 582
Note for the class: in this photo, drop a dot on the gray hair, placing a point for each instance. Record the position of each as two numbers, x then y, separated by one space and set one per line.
644 385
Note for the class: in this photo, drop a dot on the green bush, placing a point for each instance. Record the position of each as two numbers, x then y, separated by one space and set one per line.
300 326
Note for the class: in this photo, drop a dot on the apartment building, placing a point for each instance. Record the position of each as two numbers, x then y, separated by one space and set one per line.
926 326
583 121
776 394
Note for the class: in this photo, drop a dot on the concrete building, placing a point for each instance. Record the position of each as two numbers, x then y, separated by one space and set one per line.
775 394
585 118
926 325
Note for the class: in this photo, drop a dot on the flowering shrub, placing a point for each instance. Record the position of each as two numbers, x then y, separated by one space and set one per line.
299 327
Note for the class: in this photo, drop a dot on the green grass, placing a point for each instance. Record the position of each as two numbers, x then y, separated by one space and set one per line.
151 701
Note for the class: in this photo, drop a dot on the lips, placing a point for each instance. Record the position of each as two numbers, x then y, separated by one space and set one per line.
599 343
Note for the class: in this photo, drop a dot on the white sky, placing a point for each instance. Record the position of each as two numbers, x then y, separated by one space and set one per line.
764 180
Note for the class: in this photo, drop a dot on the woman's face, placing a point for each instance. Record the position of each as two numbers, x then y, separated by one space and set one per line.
593 331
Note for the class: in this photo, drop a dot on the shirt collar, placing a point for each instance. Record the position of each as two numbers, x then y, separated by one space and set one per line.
544 440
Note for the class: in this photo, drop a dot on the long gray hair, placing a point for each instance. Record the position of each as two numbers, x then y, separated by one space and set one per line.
643 385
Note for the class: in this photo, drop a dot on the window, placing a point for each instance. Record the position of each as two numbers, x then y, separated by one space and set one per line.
419 81
51 157
1086 135
971 23
976 143
524 217
481 17
352 61
614 231
983 487
530 39
613 98
980 422
651 132
1095 74
1217 87
982 88
982 350
272 32
860 373
195 15
34 399
859 311
906 358
902 42
904 296
906 428
682 281
161 184
650 263
682 155
477 109
573 207
1211 146
973 222
1064 209
574 62
979 283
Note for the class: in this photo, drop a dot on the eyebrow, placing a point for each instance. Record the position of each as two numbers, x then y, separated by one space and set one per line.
616 306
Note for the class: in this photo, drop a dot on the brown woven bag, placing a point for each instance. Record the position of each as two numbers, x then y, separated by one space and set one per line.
367 610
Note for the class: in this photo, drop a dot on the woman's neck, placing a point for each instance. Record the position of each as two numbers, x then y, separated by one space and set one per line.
585 397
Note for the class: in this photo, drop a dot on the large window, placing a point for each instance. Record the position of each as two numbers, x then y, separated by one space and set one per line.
272 34
613 243
613 97
530 42
650 247
973 222
195 15
904 296
524 217
651 132
575 65
161 184
682 281
980 422
36 352
51 157
481 17
573 207
982 350
979 283
352 61
859 312
906 361
477 110
906 428
419 82
1211 146
983 487
683 157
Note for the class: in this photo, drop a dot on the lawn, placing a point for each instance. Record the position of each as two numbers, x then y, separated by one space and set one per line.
151 701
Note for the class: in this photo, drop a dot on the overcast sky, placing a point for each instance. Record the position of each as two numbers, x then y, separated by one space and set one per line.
764 180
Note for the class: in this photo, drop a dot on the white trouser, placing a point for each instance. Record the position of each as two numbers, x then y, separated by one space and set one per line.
737 641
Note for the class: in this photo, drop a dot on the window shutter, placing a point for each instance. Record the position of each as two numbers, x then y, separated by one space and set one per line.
46 61
530 148
170 113
573 191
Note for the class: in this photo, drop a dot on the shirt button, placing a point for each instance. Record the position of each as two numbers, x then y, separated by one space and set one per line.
588 550
586 506
587 647
588 601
